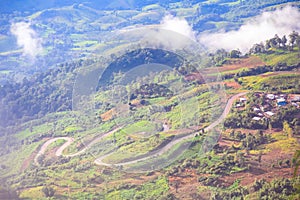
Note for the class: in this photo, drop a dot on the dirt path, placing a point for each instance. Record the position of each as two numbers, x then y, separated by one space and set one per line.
46 144
69 141
99 161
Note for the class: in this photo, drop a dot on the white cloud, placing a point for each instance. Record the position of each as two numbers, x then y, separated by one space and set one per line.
258 29
178 25
27 39
172 33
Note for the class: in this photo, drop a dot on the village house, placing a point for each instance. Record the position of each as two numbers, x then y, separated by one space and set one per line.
270 96
295 98
255 109
295 104
256 118
242 99
238 105
281 102
269 113
260 114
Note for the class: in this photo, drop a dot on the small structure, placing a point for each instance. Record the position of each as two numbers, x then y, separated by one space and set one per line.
269 113
238 105
260 114
281 102
256 109
295 104
256 118
283 96
242 99
295 99
271 96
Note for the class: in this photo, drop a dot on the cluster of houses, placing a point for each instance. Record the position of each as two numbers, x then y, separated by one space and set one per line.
270 104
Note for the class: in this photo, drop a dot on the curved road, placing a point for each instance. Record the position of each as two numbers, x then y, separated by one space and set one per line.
99 161
69 140
46 144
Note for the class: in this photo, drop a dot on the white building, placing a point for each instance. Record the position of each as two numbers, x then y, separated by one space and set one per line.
271 96
270 113
256 118
242 99
256 109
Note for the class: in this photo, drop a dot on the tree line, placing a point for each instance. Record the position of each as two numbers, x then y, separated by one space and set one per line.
284 42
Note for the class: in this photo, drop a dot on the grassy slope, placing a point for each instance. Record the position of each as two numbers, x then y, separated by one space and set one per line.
67 124
281 56
151 189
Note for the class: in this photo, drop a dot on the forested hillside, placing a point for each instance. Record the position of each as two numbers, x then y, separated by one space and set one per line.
97 102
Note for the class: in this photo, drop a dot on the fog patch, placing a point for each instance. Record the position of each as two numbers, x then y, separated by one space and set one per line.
179 25
27 39
258 29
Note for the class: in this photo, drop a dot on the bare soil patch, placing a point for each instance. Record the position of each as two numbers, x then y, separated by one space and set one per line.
250 62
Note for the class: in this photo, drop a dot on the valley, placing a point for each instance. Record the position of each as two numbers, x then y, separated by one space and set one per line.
130 100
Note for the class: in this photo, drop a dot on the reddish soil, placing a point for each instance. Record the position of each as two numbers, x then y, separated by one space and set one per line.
185 186
27 161
261 170
257 171
267 169
233 85
30 159
108 115
250 62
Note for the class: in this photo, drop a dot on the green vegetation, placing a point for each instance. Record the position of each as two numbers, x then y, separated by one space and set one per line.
257 101
152 190
285 83
280 56
152 110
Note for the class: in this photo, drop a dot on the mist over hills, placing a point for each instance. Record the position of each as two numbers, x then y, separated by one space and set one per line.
36 35
166 99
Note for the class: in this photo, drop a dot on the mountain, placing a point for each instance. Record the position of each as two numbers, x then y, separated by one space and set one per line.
31 6
73 29
87 112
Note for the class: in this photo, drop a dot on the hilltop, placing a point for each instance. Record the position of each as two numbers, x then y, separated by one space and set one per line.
93 114
83 30
157 117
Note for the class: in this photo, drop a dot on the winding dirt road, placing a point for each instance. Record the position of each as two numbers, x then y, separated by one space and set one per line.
99 161
50 141
69 140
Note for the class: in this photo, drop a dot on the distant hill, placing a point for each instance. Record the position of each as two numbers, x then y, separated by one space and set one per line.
76 29
139 57
31 6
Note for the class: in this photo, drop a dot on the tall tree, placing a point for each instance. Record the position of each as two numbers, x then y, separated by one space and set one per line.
296 162
273 42
235 54
48 191
278 40
284 41
287 129
293 37
268 44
